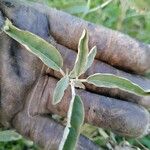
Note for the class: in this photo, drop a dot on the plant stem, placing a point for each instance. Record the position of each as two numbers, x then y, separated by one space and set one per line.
66 131
89 4
98 7
72 101
81 80
62 72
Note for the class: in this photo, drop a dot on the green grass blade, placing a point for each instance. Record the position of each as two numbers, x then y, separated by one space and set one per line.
61 86
38 46
112 81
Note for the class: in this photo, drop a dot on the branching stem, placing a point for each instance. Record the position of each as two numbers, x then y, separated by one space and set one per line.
81 80
62 72
66 131
71 102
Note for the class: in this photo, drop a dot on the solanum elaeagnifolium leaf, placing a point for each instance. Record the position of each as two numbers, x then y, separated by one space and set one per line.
91 57
9 135
112 81
82 55
79 84
72 130
61 86
38 46
77 116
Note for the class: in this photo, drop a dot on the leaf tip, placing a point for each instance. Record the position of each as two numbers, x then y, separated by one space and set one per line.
84 33
7 24
54 100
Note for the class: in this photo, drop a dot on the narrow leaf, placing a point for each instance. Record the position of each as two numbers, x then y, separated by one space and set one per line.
77 117
77 9
79 84
81 59
91 57
38 46
61 86
112 81
9 135
72 130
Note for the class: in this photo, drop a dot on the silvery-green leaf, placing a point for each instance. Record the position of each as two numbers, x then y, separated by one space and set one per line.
9 135
71 133
38 46
112 81
91 57
79 84
77 117
81 59
61 86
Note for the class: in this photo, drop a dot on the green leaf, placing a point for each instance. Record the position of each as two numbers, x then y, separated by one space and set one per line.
70 143
77 117
82 55
9 135
77 9
91 57
79 84
38 46
74 123
112 81
61 86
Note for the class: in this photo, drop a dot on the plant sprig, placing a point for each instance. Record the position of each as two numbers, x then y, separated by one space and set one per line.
53 59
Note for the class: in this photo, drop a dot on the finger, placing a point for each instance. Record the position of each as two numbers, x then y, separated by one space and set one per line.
122 117
114 47
46 132
69 57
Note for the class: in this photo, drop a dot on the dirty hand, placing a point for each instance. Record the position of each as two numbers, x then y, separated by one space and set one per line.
27 84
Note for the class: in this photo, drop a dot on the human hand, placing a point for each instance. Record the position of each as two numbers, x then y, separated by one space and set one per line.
27 85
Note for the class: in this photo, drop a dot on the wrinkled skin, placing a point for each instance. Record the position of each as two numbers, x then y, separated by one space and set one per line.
27 87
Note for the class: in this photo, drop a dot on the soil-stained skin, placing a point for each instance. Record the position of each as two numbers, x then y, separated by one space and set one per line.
114 48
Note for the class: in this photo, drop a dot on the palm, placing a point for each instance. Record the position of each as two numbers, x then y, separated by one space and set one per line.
27 88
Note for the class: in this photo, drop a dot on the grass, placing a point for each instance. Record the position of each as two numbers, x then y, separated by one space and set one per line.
130 19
